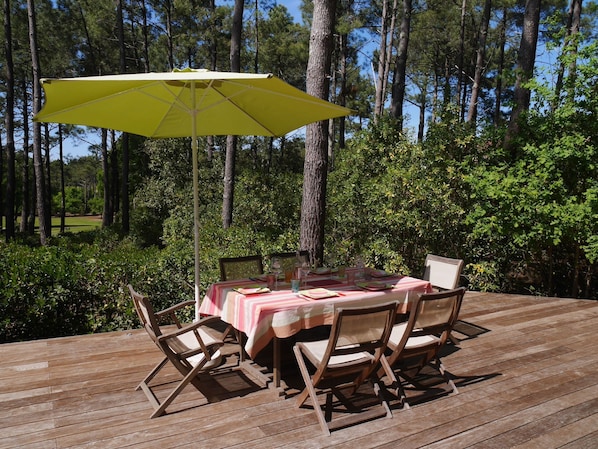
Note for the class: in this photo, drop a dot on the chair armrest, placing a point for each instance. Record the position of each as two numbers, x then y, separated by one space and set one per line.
170 312
174 308
189 328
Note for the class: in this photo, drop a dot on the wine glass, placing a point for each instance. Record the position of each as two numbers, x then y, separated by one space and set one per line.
276 269
304 271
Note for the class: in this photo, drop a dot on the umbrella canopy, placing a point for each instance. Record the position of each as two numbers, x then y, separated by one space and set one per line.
176 104
184 103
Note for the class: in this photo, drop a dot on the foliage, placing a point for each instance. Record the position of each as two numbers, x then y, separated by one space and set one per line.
538 212
391 202
77 285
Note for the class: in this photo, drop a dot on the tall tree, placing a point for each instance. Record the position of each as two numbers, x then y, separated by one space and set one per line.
400 75
9 123
526 60
108 210
382 58
313 205
479 66
231 141
41 194
569 46
500 66
125 216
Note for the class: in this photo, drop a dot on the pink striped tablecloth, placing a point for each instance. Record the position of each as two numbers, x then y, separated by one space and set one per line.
282 313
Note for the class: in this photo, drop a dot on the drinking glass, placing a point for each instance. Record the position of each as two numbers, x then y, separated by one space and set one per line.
304 272
276 268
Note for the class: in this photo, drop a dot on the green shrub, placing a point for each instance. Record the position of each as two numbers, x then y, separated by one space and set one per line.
74 287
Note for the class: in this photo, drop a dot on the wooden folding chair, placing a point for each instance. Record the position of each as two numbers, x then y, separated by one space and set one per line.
347 359
417 342
289 259
443 273
190 348
240 267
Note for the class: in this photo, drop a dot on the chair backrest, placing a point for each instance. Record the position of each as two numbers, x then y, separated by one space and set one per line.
354 331
289 259
442 272
240 267
432 315
146 314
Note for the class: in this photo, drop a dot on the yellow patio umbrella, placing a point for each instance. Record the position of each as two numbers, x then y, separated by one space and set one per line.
184 103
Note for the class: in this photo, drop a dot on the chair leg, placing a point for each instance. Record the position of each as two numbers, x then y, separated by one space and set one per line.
172 396
394 382
309 391
445 374
152 374
383 401
238 336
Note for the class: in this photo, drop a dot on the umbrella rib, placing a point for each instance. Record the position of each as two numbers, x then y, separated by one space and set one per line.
229 99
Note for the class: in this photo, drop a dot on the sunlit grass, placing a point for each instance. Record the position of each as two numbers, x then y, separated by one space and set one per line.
77 223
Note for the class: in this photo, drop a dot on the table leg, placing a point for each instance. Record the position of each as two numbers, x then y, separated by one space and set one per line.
276 362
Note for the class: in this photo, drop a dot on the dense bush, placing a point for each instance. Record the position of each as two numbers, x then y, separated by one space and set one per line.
74 287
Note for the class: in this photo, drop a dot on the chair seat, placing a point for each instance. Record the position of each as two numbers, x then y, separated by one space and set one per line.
189 340
315 351
397 333
213 363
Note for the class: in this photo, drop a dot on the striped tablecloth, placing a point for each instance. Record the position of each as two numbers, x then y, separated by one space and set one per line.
282 313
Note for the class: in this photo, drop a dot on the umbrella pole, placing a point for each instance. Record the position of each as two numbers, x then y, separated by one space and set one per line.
195 198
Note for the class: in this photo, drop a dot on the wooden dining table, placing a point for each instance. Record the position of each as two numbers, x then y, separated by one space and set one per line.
265 315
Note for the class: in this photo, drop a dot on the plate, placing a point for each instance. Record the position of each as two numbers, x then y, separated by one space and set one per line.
375 286
318 293
252 290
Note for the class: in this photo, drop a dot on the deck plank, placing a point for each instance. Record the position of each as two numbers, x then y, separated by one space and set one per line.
530 380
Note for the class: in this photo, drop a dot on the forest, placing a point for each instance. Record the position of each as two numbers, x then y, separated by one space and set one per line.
473 134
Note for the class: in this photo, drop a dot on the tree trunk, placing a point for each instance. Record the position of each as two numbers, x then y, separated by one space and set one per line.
389 47
501 64
379 104
48 188
479 66
114 184
572 47
398 88
38 166
62 186
168 13
9 100
461 57
125 209
25 179
231 141
422 118
525 69
342 98
144 31
107 212
315 170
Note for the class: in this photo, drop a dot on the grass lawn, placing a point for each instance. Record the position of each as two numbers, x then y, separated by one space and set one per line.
76 223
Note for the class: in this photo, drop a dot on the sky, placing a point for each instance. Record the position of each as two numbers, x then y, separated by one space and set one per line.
79 146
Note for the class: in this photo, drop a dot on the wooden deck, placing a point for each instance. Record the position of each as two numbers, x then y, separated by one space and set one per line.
529 381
